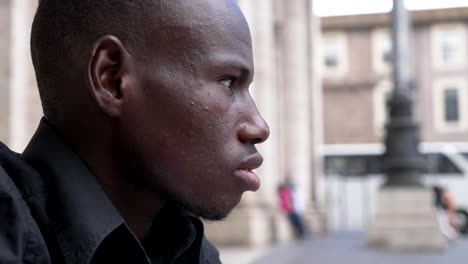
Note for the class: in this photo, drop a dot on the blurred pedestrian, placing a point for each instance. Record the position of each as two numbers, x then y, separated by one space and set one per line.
286 198
297 197
445 205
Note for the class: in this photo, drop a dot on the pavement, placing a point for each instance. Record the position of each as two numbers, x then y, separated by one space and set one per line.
238 255
342 248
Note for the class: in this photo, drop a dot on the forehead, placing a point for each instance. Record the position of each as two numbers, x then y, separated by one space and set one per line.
199 12
203 28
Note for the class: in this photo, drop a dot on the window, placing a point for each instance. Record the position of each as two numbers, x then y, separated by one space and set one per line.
448 46
387 57
362 165
331 60
438 163
334 54
450 105
451 111
381 50
353 165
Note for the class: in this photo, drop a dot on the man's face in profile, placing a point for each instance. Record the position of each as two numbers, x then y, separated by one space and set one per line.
192 125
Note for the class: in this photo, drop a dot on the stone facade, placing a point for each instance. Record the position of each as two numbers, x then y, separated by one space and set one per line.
354 122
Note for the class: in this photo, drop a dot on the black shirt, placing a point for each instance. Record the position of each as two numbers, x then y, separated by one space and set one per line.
53 210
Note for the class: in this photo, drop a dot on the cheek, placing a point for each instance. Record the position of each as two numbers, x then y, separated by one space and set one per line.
201 156
185 133
205 121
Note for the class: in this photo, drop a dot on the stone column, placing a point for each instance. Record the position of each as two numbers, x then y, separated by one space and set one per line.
405 219
301 107
25 108
296 93
34 112
318 218
5 69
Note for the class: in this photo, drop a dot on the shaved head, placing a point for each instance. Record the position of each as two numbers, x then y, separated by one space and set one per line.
64 30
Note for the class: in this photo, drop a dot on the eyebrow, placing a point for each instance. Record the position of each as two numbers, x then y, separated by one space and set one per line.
230 62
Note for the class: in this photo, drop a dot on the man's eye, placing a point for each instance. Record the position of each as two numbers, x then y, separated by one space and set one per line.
227 82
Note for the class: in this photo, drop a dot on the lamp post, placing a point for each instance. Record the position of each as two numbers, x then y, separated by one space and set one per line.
405 218
403 164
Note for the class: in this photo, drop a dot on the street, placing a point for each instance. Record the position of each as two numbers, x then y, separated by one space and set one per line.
351 248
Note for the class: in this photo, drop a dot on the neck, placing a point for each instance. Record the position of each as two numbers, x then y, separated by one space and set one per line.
138 208
136 204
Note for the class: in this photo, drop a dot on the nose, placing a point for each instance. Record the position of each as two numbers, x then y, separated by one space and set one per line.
254 131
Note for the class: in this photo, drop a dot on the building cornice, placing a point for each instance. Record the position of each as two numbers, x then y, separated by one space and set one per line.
420 18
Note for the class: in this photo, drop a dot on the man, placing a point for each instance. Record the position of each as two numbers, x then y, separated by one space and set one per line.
148 126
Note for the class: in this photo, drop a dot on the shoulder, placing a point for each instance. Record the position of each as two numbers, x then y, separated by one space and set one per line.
10 165
20 237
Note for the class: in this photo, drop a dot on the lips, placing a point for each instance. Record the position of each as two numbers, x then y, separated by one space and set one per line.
245 172
251 163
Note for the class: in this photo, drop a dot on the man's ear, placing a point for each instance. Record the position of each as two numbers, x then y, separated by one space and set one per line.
107 69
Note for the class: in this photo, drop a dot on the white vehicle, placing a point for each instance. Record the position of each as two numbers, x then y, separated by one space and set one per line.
353 175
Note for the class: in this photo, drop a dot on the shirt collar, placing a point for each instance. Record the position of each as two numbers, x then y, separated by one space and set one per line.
85 215
174 232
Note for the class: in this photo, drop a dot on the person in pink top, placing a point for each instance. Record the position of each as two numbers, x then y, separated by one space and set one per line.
286 199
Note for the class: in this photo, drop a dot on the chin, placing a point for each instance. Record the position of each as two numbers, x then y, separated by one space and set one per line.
218 212
214 216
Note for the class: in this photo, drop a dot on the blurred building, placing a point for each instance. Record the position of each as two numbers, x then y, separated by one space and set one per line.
357 75
20 108
357 67
286 88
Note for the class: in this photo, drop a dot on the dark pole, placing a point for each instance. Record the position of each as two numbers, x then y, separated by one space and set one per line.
403 164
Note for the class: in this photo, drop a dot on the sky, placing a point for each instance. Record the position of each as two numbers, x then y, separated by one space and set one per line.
351 7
